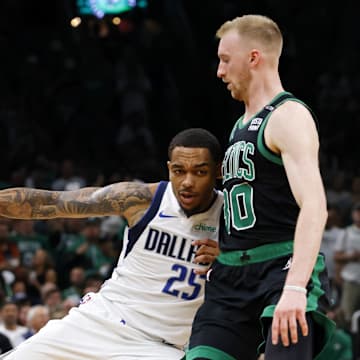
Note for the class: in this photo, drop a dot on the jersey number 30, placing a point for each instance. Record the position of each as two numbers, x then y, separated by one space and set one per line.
184 274
239 208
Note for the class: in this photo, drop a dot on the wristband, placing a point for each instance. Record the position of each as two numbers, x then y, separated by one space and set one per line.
296 288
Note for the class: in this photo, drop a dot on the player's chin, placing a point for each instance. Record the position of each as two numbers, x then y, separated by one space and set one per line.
190 209
236 95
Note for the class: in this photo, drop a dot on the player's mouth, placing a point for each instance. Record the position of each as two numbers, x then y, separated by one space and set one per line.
187 198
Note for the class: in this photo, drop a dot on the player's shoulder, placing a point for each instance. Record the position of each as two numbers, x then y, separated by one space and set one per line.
292 105
292 111
153 187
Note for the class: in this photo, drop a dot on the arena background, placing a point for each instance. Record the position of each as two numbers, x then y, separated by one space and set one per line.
110 96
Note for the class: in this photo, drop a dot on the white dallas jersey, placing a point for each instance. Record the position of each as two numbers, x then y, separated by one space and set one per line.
154 283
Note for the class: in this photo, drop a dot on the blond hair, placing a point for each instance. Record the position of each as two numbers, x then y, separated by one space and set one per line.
258 29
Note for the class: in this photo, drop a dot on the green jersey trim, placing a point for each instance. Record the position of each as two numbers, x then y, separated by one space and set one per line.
208 352
268 154
256 255
275 158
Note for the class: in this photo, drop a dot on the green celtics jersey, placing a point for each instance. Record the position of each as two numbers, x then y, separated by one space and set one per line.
259 206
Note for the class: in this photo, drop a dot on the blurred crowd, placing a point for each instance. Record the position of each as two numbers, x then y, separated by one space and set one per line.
46 267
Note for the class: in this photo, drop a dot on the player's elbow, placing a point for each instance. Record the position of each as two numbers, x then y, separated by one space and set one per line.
321 211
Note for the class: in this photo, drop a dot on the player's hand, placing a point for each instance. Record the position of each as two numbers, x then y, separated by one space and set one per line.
206 253
289 313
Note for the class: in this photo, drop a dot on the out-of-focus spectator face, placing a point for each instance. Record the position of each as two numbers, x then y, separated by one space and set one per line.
38 316
68 304
356 217
9 314
22 273
92 230
51 276
53 298
40 257
74 225
107 247
77 276
333 219
4 232
24 227
18 287
23 311
92 285
56 225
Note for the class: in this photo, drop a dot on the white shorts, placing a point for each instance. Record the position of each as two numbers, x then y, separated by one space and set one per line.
92 332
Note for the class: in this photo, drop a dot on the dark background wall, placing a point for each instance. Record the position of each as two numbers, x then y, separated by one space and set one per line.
111 97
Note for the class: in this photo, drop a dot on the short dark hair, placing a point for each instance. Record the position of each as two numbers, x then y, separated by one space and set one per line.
197 138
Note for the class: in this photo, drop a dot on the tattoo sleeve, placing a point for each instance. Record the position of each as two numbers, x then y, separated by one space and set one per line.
115 199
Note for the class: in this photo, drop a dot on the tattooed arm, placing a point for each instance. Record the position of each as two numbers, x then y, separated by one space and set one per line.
127 199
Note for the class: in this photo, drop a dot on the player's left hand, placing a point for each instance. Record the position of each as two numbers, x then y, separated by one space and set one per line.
288 314
206 253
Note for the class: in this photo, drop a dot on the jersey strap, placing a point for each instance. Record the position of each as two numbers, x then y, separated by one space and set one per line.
274 104
279 100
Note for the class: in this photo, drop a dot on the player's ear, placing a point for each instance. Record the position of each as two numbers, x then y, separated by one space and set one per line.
168 164
254 56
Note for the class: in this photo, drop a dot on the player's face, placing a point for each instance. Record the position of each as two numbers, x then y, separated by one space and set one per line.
233 67
193 173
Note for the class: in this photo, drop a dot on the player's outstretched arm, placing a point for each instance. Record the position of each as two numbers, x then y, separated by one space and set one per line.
125 199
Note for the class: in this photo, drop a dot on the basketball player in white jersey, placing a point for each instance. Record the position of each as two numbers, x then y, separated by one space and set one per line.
145 310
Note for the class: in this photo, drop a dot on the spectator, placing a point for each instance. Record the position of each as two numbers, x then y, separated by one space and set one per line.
41 264
19 290
333 231
66 257
9 260
9 251
52 299
37 317
77 282
338 194
355 190
24 307
91 252
347 257
93 283
27 240
68 180
9 325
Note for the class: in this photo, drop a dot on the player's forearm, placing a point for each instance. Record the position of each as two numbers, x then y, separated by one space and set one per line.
308 235
26 203
128 199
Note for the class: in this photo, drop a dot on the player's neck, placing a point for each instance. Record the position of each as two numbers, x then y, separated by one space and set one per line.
260 97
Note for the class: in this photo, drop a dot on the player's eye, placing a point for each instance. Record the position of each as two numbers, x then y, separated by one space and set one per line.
202 172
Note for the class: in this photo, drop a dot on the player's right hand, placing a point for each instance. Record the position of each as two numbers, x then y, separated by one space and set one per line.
206 253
